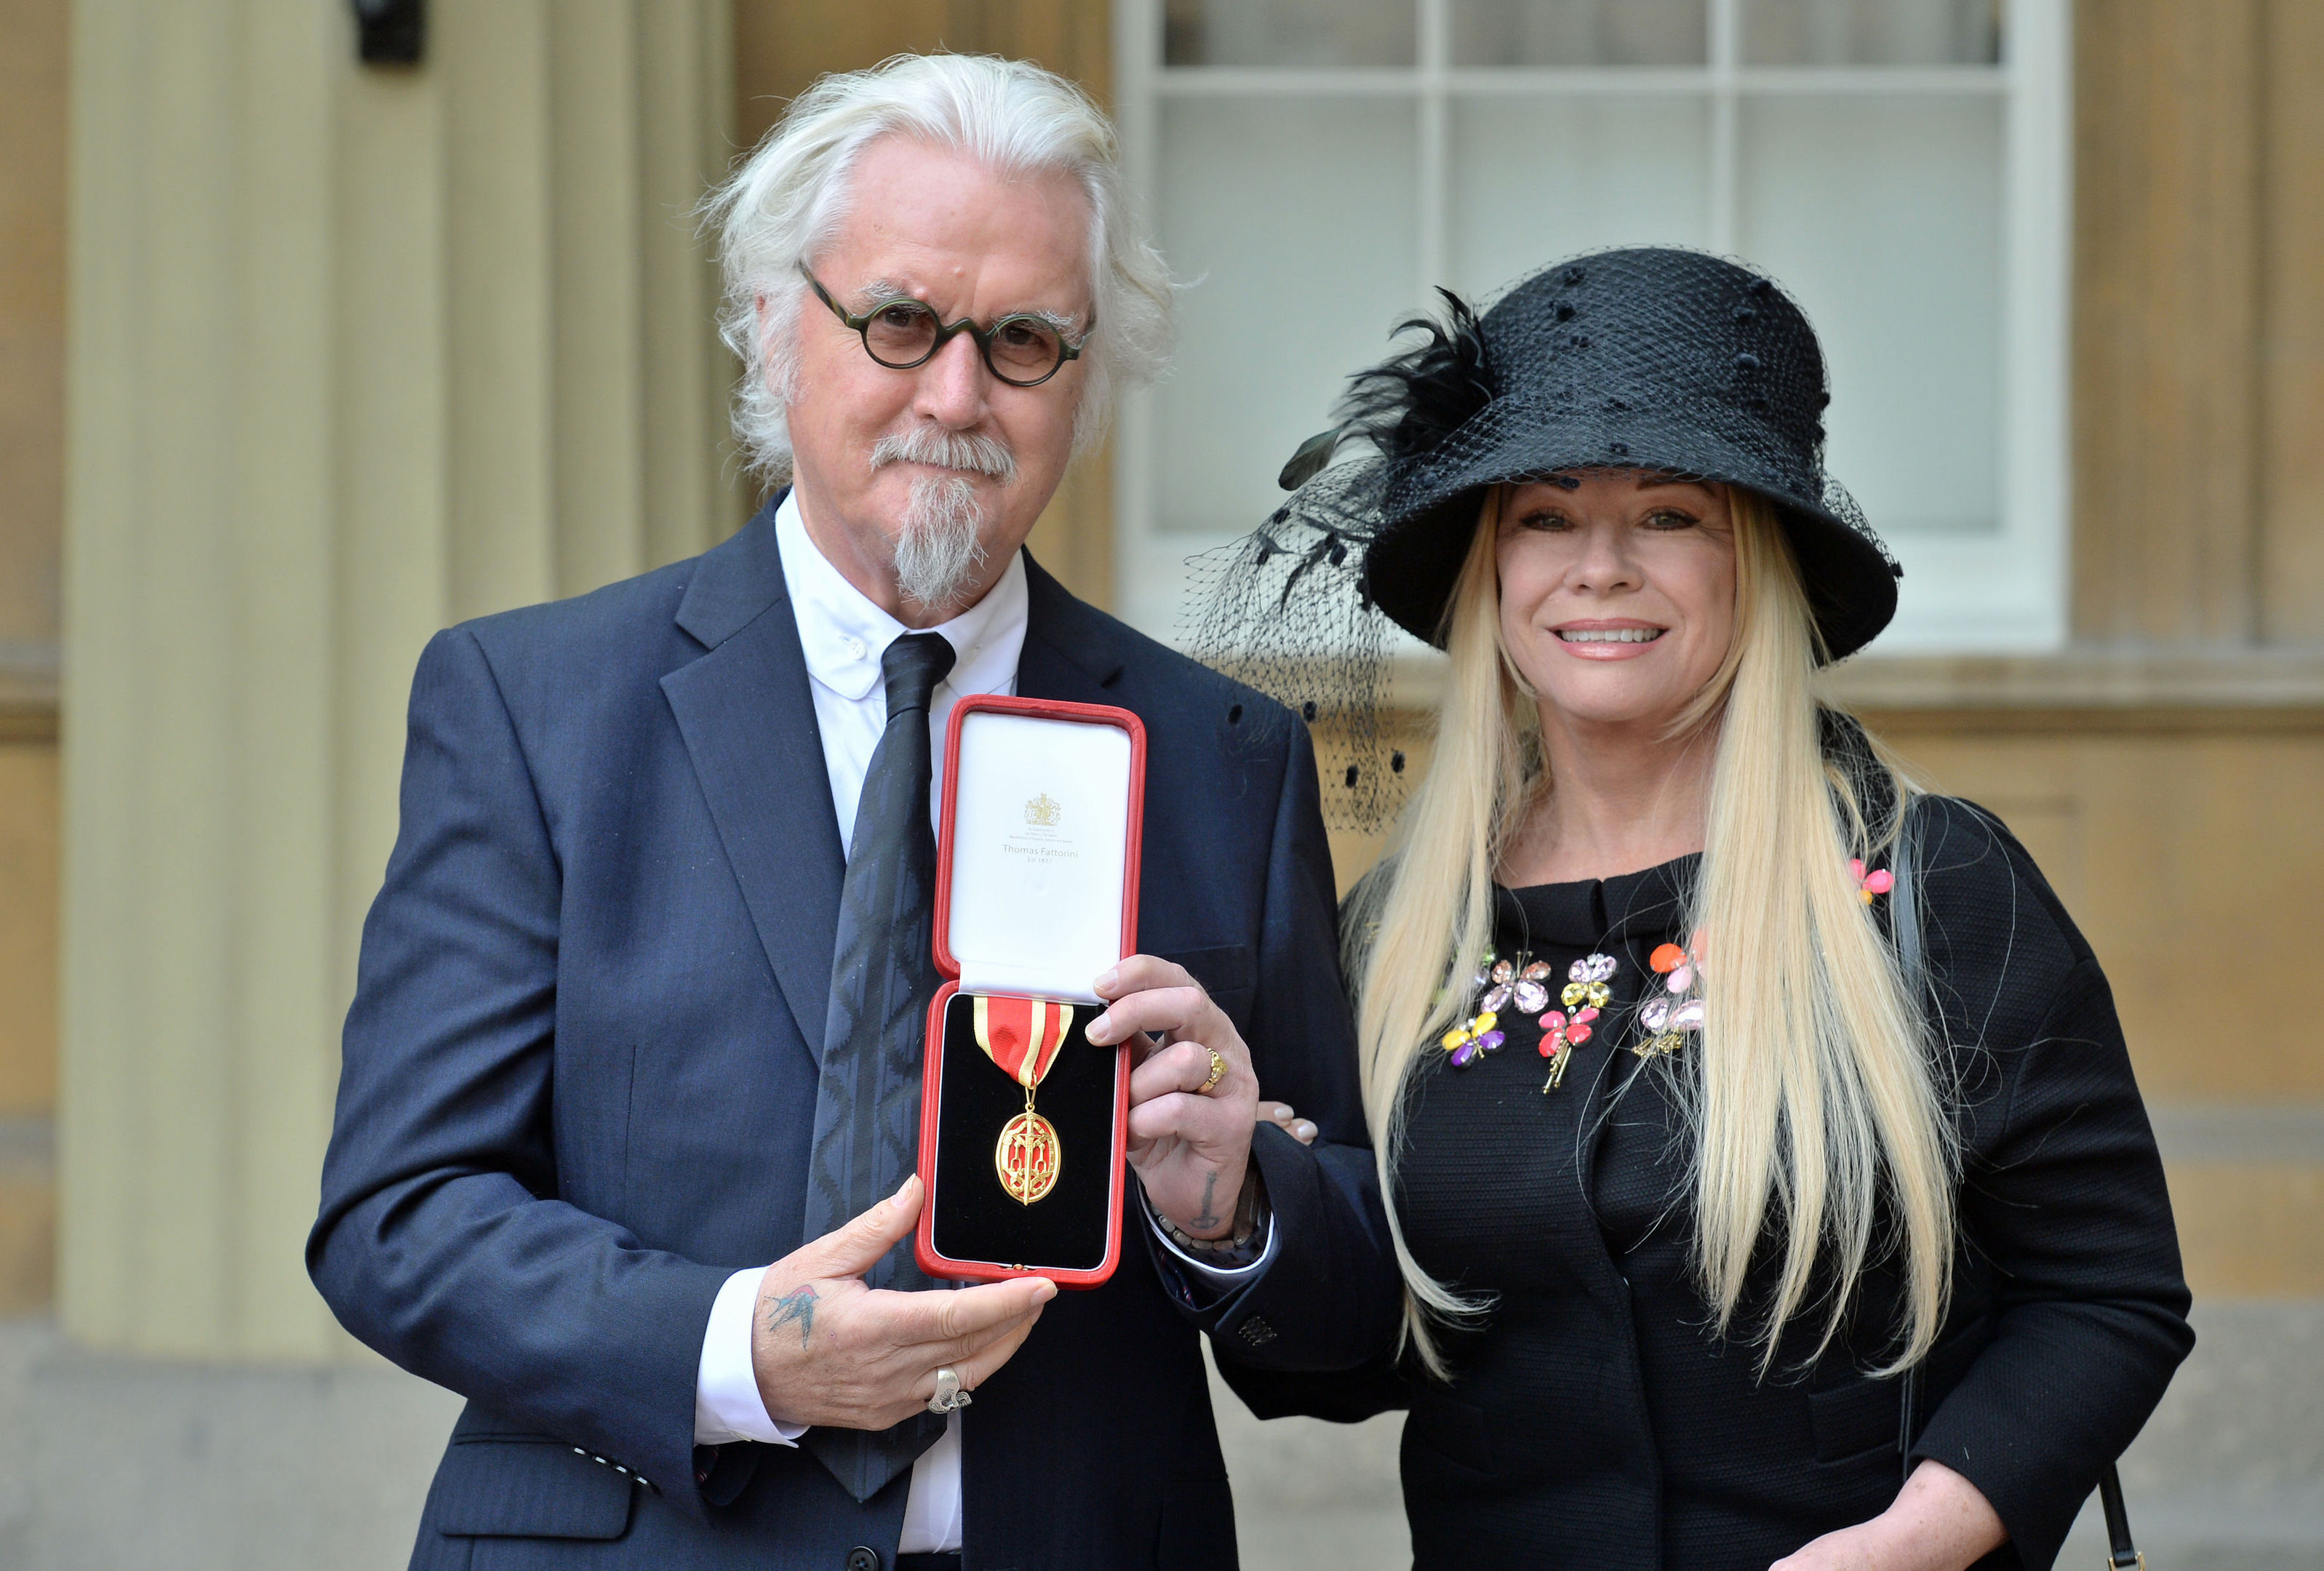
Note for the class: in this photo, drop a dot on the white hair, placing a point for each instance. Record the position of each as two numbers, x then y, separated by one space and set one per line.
782 206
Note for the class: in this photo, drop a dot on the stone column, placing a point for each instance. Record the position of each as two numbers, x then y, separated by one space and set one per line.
354 353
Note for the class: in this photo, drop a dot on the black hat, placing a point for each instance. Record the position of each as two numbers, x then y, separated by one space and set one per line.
1650 358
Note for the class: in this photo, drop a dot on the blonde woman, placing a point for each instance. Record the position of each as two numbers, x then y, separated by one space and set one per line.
1724 1243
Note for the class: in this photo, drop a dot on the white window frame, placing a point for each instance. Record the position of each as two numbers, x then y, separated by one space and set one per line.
2003 591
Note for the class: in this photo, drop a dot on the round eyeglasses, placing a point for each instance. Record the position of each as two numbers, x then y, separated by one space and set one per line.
902 333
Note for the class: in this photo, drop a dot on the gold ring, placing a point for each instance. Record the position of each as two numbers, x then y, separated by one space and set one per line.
1218 1072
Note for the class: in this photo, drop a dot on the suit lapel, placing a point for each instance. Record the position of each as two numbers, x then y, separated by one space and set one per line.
748 718
1071 652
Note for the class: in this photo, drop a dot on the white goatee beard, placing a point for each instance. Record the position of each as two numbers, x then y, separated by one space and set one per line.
938 552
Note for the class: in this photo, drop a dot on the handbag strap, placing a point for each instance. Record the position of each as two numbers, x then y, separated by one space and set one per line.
2122 1555
1905 923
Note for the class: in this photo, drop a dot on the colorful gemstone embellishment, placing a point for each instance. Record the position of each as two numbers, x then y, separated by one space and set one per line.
1877 882
1679 1012
1502 982
1560 1035
1584 994
1522 983
1530 991
1586 982
1476 1035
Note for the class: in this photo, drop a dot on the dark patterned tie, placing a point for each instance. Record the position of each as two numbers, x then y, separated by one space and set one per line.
867 1107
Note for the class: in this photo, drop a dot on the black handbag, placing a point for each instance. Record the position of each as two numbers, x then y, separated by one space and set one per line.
1904 917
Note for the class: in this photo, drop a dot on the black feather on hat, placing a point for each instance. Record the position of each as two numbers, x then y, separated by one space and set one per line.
1410 402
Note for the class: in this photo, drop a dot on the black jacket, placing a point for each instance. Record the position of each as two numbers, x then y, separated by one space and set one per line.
580 1076
1597 1420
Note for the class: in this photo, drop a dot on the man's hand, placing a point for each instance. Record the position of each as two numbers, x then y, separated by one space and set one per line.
1938 1521
1190 1148
829 1351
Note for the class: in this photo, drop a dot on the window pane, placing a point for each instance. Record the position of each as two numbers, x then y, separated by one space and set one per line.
1872 32
1883 217
1296 218
1534 182
1287 32
1578 32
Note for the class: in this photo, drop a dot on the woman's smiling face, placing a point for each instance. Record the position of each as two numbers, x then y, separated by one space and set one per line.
1618 592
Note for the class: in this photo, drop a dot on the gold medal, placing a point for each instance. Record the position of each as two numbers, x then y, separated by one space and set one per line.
1026 1156
1022 1037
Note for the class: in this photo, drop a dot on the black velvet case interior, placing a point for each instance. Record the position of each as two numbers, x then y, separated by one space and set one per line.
975 1219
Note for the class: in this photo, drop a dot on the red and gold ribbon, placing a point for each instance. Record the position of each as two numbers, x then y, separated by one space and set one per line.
1022 1037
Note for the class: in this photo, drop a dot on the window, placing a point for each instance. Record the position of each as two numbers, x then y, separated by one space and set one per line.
1900 165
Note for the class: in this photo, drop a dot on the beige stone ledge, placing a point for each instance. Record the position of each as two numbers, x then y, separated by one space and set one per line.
2106 688
2273 1134
28 1215
2085 688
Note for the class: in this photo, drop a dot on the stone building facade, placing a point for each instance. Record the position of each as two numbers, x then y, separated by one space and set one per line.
301 359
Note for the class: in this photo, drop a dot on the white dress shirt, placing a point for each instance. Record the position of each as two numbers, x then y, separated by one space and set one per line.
844 635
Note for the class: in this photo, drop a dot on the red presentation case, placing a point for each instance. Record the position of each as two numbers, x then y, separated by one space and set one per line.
1036 893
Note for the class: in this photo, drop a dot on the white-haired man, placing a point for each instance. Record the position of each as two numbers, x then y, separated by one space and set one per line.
639 1000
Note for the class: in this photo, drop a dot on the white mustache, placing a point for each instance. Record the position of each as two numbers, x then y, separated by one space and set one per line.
965 450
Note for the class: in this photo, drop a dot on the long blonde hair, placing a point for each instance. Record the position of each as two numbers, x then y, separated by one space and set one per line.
1811 1095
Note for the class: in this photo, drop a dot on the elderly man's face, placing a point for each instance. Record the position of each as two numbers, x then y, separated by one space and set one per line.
877 452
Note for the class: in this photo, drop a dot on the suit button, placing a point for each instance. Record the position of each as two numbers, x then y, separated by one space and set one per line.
861 1558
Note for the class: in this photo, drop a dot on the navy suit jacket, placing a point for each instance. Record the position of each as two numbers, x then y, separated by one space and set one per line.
580 1072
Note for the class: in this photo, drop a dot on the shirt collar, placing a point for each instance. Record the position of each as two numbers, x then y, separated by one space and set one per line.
843 634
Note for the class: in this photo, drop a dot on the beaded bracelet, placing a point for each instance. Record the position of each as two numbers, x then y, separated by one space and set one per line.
1241 1247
